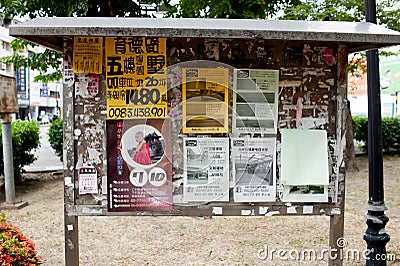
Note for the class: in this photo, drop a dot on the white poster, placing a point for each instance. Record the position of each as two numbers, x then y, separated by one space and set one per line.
254 169
255 101
305 166
206 169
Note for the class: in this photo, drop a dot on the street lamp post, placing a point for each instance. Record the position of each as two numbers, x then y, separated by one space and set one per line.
375 235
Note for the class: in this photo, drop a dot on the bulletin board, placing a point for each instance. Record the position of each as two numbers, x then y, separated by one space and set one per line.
191 126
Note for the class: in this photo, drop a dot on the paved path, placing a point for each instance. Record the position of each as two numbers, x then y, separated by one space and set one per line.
47 159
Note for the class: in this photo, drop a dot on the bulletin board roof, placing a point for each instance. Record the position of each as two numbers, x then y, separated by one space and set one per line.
358 36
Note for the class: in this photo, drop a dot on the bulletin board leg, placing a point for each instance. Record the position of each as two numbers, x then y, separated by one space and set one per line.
336 239
71 240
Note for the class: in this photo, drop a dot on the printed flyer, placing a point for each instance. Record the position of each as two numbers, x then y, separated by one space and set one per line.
136 79
139 167
254 169
206 169
205 100
255 101
88 54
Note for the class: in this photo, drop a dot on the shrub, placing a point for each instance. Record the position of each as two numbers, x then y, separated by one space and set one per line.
25 139
390 132
15 248
56 137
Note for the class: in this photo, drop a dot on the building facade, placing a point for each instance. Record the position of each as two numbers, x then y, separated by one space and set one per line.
35 99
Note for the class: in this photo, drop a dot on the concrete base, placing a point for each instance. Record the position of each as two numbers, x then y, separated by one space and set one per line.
13 205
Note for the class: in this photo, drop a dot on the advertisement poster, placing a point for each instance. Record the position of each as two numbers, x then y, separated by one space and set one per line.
255 101
139 165
136 82
254 169
88 54
304 165
206 169
205 100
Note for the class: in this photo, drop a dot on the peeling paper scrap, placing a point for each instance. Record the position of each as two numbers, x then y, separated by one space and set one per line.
335 211
68 180
272 213
104 185
291 209
262 210
91 211
217 210
246 212
308 209
70 227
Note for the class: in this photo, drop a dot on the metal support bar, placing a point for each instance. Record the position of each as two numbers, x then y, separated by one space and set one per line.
8 159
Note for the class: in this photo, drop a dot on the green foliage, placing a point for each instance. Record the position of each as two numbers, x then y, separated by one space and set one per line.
390 132
15 248
56 137
43 62
25 139
235 9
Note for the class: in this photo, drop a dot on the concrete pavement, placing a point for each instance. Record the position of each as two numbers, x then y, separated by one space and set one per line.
47 159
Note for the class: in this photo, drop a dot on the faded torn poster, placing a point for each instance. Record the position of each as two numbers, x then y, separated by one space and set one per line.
206 169
254 169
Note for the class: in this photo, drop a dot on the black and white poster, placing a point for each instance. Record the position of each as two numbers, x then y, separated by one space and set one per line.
254 169
206 169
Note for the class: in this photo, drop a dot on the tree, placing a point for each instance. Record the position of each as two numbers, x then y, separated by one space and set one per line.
387 12
234 9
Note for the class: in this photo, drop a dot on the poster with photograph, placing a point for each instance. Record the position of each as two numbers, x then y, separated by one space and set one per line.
139 167
255 101
136 79
305 193
205 100
206 169
254 169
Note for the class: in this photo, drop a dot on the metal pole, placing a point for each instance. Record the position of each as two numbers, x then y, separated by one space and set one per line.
375 235
8 159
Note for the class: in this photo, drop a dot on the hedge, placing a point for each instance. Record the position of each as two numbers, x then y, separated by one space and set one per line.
56 137
390 133
25 140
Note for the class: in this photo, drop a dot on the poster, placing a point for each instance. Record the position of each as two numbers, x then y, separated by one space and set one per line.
87 180
255 101
304 165
136 80
206 169
88 54
205 100
139 165
254 169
